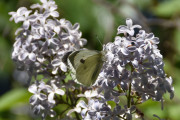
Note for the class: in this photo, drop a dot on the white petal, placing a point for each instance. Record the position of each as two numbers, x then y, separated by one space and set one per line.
130 32
136 26
26 14
51 98
94 93
80 95
63 67
32 18
125 51
87 93
33 99
55 41
55 70
32 88
78 109
54 14
129 22
57 29
53 8
155 40
35 6
21 10
59 91
83 114
18 30
122 28
56 62
26 24
76 26
43 1
12 13
32 57
135 63
23 56
41 30
83 42
82 104
19 19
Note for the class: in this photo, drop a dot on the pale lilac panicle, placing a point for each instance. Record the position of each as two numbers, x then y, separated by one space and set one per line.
42 37
134 60
42 100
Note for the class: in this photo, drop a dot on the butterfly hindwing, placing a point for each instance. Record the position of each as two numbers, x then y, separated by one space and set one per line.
71 64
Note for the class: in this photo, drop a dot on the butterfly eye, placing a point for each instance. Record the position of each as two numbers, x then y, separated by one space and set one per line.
82 61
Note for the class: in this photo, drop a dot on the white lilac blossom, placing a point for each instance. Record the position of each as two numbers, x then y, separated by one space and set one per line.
94 110
42 44
129 28
90 94
133 67
43 37
41 104
145 75
52 91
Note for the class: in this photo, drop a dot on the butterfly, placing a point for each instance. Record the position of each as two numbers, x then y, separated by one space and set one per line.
85 65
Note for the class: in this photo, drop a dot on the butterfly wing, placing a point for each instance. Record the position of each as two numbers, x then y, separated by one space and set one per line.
82 55
70 62
88 66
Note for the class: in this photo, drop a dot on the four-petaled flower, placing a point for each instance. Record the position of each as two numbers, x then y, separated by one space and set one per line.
129 28
38 95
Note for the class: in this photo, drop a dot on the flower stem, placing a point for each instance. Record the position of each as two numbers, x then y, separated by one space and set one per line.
129 96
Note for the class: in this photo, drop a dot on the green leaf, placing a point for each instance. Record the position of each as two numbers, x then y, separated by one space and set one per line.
112 104
13 98
174 112
168 8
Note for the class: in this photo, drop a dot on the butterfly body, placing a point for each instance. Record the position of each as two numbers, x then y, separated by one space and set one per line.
85 65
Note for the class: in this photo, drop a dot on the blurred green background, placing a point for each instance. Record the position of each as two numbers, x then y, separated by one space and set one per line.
99 20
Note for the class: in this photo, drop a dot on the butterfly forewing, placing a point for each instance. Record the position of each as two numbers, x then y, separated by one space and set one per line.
82 55
88 71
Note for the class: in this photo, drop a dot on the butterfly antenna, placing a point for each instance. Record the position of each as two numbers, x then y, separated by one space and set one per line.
99 40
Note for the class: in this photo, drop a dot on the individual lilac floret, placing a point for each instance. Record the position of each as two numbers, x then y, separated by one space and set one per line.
38 95
52 91
23 15
90 94
129 28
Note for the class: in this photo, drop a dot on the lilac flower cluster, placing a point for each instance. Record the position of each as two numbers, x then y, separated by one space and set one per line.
41 47
140 53
132 69
43 99
43 40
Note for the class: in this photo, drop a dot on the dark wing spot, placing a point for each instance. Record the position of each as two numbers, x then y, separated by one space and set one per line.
132 43
82 61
